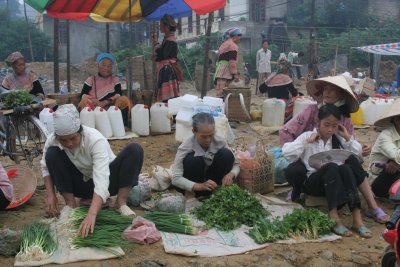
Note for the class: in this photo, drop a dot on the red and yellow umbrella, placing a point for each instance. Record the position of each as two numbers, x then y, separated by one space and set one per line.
118 10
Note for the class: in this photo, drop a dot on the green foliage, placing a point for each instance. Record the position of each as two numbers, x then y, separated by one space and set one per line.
18 98
15 38
123 53
250 58
230 207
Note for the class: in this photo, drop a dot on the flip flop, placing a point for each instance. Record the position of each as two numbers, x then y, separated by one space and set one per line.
378 215
362 231
342 230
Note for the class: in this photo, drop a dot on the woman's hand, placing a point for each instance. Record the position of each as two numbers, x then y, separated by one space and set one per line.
104 103
366 150
228 179
95 102
344 133
313 138
87 225
51 207
392 167
209 185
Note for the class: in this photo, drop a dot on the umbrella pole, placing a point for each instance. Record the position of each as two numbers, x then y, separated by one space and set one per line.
206 64
55 65
68 59
108 37
130 53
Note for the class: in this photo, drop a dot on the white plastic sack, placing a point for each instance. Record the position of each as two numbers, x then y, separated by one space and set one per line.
161 178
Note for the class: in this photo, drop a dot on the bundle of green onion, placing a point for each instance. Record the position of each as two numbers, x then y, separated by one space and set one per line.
172 222
107 230
37 242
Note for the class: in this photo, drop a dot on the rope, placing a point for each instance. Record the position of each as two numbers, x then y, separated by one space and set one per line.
187 69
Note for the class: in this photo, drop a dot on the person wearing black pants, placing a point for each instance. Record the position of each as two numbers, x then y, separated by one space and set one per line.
203 161
296 174
381 185
194 168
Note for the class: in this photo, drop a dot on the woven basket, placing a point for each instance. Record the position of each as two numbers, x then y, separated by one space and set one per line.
24 183
70 98
257 173
142 97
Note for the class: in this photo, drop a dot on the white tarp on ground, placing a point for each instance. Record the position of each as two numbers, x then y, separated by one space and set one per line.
64 254
214 243
391 49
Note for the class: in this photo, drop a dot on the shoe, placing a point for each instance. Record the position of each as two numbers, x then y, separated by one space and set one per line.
378 214
362 231
126 211
342 231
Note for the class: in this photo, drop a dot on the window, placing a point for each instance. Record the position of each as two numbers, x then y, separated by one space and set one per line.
257 10
197 25
190 24
179 26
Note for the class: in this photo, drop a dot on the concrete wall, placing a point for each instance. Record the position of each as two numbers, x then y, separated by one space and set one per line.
385 9
85 38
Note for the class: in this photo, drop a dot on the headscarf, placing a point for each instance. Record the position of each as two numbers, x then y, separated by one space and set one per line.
234 31
169 21
66 120
13 57
103 56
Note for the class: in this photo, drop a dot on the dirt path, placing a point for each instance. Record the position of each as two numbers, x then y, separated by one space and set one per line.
160 150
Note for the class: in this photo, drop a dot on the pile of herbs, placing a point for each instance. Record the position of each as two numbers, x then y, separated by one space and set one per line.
37 242
17 98
107 230
309 223
172 222
230 207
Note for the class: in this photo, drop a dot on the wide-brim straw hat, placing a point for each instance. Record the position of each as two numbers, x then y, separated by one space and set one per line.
314 89
24 183
394 111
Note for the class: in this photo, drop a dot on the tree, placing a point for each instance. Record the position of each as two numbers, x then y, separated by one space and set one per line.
17 38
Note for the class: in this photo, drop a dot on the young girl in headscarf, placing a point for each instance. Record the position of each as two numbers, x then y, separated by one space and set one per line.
166 55
21 77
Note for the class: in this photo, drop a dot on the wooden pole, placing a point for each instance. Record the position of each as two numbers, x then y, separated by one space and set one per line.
55 49
129 85
29 33
206 64
68 58
108 37
313 48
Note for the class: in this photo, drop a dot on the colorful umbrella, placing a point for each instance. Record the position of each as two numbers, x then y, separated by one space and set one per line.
118 10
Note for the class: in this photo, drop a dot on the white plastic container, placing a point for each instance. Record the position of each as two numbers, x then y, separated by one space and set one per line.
140 120
174 104
189 100
159 119
103 124
374 108
301 103
87 117
46 117
117 123
183 128
273 110
215 102
221 126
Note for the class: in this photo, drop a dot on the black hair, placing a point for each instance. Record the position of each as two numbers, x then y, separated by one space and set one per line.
264 40
326 111
300 54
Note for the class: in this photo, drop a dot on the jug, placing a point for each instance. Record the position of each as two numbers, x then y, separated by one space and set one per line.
216 103
140 120
221 126
103 124
46 117
159 118
301 103
189 100
374 108
117 124
357 118
273 110
183 128
174 104
87 117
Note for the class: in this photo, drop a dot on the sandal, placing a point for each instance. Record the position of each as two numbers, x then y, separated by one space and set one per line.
362 231
342 231
378 215
126 211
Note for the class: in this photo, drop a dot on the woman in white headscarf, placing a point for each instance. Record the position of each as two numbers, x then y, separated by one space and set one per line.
78 162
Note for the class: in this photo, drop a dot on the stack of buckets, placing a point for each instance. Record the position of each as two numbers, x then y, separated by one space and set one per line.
108 122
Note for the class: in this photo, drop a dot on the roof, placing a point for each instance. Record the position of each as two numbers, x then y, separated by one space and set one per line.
391 49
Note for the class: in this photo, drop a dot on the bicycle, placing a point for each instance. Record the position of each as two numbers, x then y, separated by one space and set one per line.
23 133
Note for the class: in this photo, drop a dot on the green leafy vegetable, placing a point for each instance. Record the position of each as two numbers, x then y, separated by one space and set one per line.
18 98
230 207
309 223
37 242
172 222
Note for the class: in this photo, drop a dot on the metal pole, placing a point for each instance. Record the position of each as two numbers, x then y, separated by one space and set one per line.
206 64
68 59
29 33
130 52
55 49
108 37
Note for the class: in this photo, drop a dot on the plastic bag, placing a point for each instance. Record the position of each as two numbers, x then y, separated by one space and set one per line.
161 178
140 192
142 231
174 203
280 165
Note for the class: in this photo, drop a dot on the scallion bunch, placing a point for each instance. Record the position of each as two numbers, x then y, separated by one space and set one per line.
37 242
172 222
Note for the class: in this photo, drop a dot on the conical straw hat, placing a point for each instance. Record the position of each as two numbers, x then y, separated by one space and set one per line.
394 111
314 88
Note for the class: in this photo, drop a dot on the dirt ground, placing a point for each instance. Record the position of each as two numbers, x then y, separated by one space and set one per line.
160 150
